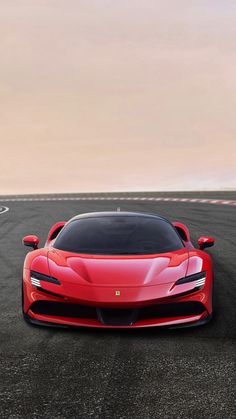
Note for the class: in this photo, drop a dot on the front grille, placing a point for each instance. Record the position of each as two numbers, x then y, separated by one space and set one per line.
117 317
190 308
52 308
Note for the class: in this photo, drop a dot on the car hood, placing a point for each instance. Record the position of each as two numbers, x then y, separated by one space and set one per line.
122 271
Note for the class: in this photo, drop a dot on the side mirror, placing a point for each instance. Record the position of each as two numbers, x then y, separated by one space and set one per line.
204 242
31 241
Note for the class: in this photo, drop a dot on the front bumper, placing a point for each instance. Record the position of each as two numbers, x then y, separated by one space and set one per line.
184 323
166 315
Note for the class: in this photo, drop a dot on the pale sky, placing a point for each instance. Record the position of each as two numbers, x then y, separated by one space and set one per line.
117 95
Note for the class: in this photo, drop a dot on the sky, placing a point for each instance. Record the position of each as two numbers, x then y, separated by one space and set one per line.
109 95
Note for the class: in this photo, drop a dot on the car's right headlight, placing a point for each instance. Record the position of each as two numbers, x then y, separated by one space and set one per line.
37 277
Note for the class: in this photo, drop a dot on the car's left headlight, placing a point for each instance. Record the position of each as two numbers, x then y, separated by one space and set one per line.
198 279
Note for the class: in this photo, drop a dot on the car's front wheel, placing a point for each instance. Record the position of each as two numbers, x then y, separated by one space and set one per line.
22 297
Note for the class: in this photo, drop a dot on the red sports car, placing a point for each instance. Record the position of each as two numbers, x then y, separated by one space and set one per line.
118 270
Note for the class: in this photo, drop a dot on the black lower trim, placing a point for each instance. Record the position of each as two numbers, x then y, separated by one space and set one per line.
35 322
193 324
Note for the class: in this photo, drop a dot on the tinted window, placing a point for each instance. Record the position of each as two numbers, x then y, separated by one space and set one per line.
118 235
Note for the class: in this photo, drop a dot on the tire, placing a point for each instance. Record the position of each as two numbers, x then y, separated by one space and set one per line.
22 298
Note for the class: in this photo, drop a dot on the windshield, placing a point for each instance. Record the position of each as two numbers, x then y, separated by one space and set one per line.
118 235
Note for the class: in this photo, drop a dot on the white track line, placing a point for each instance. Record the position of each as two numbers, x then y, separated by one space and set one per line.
3 209
124 198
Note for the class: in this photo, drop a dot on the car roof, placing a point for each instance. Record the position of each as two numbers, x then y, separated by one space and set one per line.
117 214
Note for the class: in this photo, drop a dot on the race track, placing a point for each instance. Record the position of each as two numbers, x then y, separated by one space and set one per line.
151 373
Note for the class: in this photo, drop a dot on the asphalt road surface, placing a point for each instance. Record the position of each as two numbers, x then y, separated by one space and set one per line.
146 373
